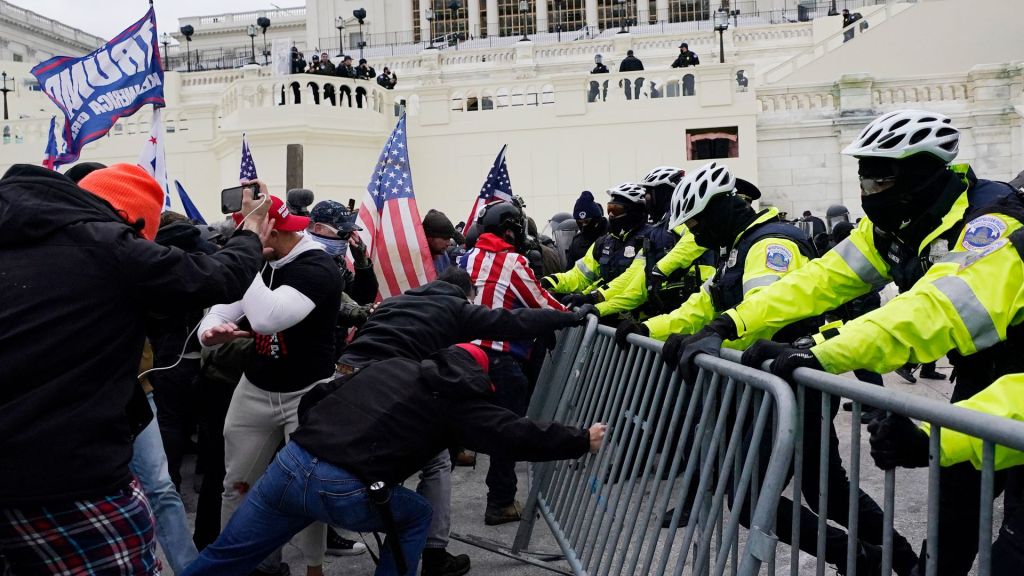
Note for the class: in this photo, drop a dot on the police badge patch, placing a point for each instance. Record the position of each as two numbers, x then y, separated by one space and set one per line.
982 231
778 258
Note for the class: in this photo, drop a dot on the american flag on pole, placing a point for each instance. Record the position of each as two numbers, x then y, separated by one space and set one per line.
496 187
392 229
153 158
50 158
247 171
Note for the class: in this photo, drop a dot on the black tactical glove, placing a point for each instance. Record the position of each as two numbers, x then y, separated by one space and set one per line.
359 257
574 300
627 327
760 351
580 313
708 341
789 359
896 441
548 283
655 280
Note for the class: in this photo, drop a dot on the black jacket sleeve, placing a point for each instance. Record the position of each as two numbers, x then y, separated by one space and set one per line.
480 322
493 430
169 279
365 287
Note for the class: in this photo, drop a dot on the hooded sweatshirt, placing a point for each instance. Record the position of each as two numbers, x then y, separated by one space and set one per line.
386 421
76 284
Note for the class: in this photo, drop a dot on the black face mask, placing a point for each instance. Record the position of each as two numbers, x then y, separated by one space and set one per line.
595 227
662 197
918 182
620 225
722 221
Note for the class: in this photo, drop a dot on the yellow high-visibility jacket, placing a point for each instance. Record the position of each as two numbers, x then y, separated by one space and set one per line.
759 272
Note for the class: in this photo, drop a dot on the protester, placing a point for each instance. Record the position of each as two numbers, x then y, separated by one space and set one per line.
298 61
364 71
71 405
345 69
387 79
291 308
440 232
408 410
630 63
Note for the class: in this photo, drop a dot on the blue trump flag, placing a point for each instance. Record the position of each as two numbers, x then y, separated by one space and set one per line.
114 81
190 209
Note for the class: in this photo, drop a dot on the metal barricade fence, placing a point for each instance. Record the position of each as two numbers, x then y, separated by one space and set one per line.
992 430
696 450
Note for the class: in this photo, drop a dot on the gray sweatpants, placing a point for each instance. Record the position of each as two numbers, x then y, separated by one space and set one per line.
436 486
256 424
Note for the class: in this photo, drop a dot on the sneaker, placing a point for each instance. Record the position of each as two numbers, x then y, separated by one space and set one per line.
907 373
282 570
495 515
931 374
465 458
338 546
438 562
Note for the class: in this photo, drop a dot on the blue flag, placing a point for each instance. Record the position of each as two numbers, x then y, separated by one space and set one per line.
190 209
50 155
112 82
247 170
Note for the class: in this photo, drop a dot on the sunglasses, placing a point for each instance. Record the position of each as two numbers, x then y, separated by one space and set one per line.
336 232
871 186
615 210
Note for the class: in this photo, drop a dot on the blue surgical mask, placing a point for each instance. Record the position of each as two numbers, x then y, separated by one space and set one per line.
334 246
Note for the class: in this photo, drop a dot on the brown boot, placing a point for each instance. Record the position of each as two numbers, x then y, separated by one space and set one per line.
495 515
465 458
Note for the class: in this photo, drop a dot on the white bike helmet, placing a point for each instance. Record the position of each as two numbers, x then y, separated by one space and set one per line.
904 133
696 189
628 191
662 175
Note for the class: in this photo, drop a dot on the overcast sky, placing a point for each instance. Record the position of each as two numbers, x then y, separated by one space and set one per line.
108 17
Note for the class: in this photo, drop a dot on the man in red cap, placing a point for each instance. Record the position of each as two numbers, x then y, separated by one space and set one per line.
290 309
79 277
361 436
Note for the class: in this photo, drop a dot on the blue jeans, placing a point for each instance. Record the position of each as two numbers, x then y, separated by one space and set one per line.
298 489
149 465
510 393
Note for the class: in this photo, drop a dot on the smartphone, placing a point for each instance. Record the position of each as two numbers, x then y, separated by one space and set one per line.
231 198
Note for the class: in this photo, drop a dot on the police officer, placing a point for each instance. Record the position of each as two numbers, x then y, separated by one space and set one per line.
611 255
942 235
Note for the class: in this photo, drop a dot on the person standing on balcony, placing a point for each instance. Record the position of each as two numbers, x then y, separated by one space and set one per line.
595 88
631 64
685 58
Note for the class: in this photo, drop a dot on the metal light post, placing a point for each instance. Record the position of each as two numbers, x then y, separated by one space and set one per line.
622 16
524 7
264 23
251 31
5 90
559 6
721 25
339 23
360 14
165 39
187 31
430 18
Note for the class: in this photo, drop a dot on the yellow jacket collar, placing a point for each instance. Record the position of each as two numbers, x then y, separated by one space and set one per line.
766 215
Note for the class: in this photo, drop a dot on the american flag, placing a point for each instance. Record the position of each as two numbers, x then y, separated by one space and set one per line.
153 158
50 158
496 187
392 229
247 171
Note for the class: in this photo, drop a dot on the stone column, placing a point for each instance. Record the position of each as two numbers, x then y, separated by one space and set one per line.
492 18
542 15
643 12
661 9
591 7
474 18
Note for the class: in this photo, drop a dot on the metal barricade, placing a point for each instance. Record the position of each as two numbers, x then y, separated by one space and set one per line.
829 388
696 450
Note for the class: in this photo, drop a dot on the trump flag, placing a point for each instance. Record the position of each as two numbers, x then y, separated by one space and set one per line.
112 82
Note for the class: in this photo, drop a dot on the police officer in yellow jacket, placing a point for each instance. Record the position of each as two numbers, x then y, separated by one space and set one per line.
612 254
947 239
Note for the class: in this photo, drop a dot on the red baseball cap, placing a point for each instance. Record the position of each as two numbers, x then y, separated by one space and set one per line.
283 220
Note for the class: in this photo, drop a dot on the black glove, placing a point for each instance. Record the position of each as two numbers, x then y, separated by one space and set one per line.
655 280
548 283
717 331
359 257
580 313
627 327
896 441
760 351
574 300
789 359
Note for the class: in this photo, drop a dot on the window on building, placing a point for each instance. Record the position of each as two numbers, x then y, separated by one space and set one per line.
17 57
512 22
687 10
712 143
571 13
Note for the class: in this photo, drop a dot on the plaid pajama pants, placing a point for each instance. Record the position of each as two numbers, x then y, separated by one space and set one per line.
107 536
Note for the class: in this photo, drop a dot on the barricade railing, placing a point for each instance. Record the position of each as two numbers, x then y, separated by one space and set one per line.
696 458
971 485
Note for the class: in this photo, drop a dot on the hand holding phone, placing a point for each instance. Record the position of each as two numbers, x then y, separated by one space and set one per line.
231 198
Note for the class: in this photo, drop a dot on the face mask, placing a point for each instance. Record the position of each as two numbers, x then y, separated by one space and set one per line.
619 225
334 246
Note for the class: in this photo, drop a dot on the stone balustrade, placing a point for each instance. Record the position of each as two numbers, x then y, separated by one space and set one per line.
353 96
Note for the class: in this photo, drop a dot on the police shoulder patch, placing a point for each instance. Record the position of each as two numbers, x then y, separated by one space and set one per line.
778 257
983 231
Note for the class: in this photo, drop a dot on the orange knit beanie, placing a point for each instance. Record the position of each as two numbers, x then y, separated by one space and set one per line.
131 190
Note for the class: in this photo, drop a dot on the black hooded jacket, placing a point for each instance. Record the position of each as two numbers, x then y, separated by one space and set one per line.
76 285
437 315
385 422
